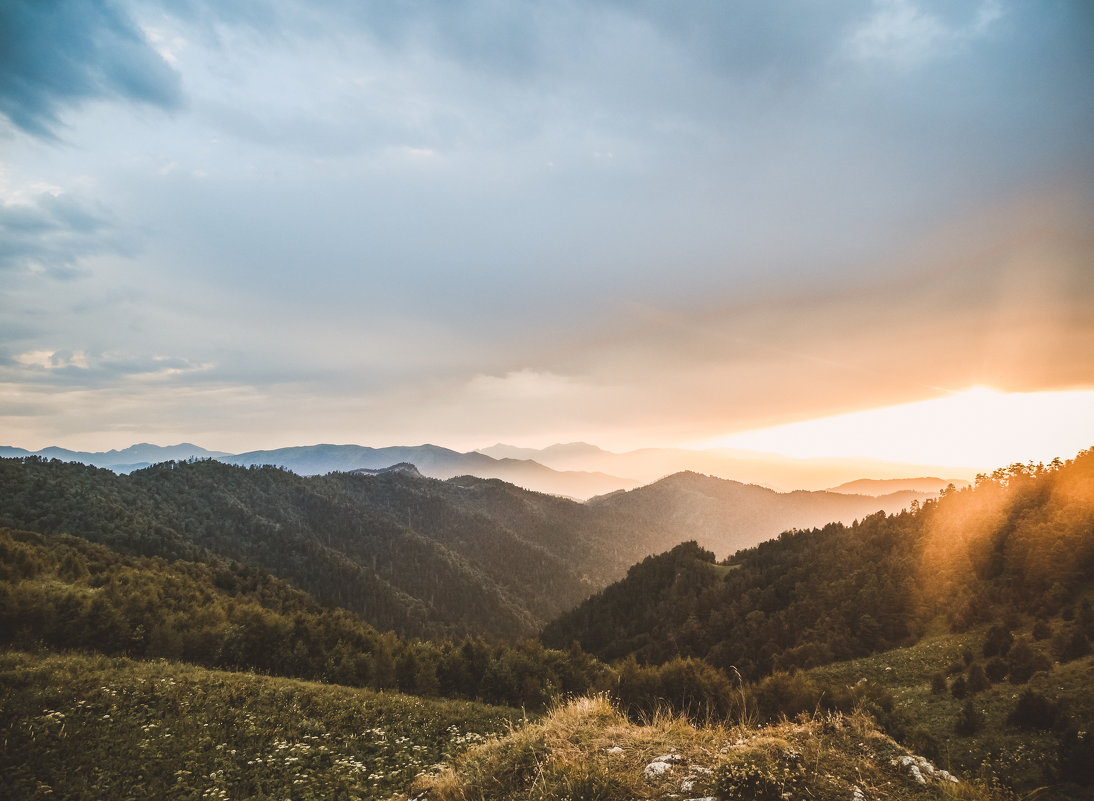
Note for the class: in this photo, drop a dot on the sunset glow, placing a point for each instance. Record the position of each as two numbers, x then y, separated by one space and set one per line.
635 225
979 427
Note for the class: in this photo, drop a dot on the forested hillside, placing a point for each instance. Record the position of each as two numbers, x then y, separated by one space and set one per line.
416 555
62 592
182 562
1020 541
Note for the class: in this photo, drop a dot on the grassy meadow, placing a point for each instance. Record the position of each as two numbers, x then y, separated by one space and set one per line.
92 727
928 719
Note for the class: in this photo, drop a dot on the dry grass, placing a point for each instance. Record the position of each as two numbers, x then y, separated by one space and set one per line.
587 751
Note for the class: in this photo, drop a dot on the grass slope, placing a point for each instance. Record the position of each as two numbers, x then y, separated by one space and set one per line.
92 727
588 750
1026 759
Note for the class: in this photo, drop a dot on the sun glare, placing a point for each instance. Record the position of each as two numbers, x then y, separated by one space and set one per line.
978 428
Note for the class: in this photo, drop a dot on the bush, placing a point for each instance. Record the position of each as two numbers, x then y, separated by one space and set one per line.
996 669
1023 662
969 721
786 694
1085 618
1076 755
998 641
1071 646
938 684
978 680
686 686
1033 711
960 688
1041 630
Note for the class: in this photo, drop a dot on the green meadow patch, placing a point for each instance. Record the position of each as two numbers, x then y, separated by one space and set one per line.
93 727
976 733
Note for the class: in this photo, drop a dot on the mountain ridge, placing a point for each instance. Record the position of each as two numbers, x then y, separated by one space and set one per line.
433 461
576 470
423 556
1018 543
776 471
887 486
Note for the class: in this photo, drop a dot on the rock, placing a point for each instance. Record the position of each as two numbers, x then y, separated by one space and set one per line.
615 749
655 769
662 764
921 768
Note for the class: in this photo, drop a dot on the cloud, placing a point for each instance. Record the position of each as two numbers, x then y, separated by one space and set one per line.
731 229
902 33
52 370
50 232
56 55
51 360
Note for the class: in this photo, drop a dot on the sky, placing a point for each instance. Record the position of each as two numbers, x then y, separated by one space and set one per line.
254 225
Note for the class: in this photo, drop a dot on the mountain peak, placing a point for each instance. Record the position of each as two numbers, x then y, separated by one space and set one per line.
402 468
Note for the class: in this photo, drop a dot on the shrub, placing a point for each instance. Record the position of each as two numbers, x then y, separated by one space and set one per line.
786 694
978 680
1033 711
687 686
1071 646
996 669
998 641
1076 755
1085 617
969 721
1023 662
938 684
1041 630
960 688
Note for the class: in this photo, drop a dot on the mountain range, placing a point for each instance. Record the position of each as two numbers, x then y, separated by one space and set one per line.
310 460
385 578
1018 544
575 470
778 472
418 555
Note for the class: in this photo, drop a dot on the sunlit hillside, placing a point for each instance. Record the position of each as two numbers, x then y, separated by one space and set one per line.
955 634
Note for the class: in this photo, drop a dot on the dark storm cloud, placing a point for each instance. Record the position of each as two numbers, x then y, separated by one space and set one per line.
58 54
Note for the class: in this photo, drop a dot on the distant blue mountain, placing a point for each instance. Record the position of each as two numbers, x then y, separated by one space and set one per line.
124 461
435 462
307 460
